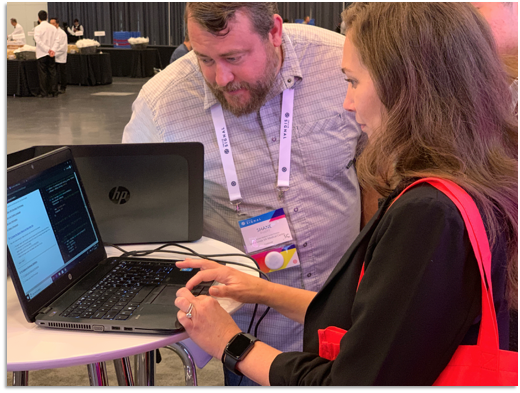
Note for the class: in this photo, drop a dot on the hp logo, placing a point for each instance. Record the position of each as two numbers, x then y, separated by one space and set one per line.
287 115
284 169
226 151
119 195
233 183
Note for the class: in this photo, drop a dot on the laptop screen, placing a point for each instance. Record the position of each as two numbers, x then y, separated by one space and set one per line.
49 228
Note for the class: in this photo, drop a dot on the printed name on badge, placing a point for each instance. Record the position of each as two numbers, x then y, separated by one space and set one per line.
264 231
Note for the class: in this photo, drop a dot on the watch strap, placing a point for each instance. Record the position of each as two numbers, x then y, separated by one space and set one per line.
229 360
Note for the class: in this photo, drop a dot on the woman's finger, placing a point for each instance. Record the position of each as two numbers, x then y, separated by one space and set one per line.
202 264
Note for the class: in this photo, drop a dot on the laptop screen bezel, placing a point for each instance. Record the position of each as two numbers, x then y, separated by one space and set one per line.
28 169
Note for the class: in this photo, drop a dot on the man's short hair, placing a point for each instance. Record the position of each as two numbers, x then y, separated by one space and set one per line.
56 19
13 20
42 15
214 17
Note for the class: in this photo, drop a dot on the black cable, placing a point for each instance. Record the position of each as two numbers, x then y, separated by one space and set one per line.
209 257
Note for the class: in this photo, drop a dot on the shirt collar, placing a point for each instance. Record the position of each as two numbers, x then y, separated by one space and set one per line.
289 74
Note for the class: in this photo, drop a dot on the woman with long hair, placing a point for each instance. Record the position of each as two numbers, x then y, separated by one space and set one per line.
427 86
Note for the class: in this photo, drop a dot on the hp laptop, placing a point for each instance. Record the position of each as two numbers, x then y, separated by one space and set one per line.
58 264
139 193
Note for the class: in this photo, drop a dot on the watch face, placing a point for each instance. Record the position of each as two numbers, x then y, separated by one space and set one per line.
239 345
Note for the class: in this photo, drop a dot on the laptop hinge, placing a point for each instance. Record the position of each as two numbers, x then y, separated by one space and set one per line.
46 310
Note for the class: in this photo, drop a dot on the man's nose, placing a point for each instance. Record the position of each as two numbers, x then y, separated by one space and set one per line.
223 76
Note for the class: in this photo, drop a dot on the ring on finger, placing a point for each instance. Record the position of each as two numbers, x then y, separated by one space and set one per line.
189 314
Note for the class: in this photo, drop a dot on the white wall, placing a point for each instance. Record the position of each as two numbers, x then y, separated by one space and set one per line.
26 14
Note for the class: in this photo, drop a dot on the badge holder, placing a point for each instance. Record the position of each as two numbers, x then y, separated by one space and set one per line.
268 240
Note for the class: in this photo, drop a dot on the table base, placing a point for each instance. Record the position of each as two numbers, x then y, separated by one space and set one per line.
144 370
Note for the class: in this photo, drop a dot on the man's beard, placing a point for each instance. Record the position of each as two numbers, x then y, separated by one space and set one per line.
257 91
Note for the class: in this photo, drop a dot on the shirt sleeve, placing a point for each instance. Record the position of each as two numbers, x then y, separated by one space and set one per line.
37 37
419 296
141 128
57 44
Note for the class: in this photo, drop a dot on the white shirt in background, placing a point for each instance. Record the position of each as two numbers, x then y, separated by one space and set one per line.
17 34
45 38
60 46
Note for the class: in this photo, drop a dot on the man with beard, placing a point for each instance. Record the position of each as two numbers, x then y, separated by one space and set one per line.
242 91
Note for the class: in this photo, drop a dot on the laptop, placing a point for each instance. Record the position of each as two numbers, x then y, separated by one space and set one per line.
139 193
59 267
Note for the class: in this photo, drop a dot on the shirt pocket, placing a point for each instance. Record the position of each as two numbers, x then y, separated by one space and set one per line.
328 145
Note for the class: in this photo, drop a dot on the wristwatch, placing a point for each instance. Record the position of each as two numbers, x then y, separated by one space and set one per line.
236 350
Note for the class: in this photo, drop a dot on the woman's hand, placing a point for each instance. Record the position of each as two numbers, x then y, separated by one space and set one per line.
239 286
244 288
210 326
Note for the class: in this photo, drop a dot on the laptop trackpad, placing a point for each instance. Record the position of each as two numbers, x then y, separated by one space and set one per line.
167 295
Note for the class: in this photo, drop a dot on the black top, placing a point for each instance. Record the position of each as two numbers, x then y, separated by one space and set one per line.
420 298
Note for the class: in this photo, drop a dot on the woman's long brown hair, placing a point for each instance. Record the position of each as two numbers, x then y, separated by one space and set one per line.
436 69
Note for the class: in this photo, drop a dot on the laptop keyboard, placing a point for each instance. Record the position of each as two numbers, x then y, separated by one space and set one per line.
123 290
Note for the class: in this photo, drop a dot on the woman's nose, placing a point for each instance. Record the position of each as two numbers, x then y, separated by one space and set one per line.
348 103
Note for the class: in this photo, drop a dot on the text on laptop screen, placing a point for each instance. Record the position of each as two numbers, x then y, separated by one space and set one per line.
49 228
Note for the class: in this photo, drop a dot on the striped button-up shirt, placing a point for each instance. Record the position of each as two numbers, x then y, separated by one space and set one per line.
323 202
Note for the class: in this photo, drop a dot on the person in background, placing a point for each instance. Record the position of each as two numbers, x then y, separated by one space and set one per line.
45 39
75 32
60 48
307 20
182 49
76 27
18 33
420 295
245 63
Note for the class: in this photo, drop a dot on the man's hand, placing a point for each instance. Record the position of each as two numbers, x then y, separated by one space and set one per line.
51 53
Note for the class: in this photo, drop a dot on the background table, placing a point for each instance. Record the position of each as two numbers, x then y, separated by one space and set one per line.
30 347
134 63
85 70
22 78
89 70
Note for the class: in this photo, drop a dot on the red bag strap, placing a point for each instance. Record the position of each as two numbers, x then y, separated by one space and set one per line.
488 333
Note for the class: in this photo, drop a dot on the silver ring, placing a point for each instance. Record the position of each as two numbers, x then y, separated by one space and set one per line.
188 313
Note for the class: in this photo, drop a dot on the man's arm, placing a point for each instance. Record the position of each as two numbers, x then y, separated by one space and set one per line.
141 127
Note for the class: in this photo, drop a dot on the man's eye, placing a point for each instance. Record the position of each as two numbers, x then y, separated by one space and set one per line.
206 61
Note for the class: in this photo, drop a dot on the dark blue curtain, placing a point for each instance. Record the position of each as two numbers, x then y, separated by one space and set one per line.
93 17
163 23
326 15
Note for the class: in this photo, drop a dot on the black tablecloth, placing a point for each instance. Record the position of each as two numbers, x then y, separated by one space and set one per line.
22 78
134 63
89 70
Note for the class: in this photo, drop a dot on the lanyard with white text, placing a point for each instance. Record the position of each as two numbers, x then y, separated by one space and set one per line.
226 155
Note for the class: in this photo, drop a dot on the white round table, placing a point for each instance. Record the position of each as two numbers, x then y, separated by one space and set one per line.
30 347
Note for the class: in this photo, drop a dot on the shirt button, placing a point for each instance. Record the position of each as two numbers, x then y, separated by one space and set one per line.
295 209
289 80
309 274
273 139
305 244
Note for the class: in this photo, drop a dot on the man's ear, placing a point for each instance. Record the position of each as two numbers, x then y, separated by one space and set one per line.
275 34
